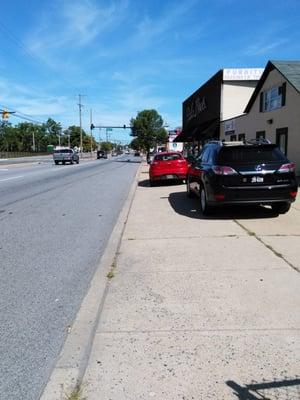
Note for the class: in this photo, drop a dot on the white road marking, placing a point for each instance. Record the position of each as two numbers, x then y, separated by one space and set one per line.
13 177
4 169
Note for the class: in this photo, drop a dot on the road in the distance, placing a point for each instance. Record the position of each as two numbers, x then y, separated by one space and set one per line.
54 222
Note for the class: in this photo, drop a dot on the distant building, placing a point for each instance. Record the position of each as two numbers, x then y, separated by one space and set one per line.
171 144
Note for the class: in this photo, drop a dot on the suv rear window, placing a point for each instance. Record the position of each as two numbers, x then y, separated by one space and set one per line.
168 157
250 154
63 151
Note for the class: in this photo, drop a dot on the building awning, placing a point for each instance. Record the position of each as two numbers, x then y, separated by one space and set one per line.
207 130
185 136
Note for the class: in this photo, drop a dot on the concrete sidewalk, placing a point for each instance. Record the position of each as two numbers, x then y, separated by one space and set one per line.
197 308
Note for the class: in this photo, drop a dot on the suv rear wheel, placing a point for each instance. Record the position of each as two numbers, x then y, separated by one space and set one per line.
281 208
205 208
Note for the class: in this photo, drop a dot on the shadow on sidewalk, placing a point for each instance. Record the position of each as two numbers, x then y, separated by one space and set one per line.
288 389
146 182
191 208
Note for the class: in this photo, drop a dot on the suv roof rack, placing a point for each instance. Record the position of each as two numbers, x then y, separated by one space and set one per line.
258 141
240 142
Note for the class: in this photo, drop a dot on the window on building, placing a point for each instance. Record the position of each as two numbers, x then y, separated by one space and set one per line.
232 138
282 139
273 98
241 136
260 135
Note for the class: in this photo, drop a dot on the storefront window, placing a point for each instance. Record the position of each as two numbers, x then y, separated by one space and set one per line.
260 135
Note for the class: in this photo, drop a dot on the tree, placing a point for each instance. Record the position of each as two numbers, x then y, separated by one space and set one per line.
53 131
136 144
148 128
107 146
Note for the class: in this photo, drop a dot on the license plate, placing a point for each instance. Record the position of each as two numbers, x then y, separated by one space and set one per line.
169 176
257 179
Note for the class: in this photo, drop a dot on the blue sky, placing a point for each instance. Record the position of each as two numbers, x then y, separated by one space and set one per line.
126 55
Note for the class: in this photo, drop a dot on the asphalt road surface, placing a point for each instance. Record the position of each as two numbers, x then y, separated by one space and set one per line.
55 222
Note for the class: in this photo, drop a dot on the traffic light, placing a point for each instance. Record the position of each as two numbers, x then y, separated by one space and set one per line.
5 114
124 126
92 126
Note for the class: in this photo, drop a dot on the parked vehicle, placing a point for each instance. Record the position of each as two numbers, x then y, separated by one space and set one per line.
137 154
242 173
64 155
101 154
167 166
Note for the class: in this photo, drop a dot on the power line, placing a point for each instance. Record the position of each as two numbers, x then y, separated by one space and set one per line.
21 115
19 43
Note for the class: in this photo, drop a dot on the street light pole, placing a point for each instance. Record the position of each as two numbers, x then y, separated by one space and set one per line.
91 131
80 123
33 141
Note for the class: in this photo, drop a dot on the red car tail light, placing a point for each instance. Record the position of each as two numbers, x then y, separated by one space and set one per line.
287 168
223 170
220 197
293 195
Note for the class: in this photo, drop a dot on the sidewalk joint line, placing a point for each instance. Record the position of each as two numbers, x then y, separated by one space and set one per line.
201 330
276 253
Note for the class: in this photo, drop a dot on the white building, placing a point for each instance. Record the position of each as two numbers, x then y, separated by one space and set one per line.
272 111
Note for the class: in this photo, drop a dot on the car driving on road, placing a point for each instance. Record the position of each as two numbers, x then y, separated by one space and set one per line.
101 154
242 173
64 155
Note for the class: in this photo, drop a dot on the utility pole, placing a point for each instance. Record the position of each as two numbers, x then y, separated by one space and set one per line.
91 131
33 141
80 123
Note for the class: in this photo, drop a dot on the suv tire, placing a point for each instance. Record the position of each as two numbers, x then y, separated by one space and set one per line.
205 208
281 208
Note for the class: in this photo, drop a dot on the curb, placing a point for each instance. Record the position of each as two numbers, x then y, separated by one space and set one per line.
73 360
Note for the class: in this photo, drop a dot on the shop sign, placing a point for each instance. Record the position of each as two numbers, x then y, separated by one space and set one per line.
242 74
229 127
198 106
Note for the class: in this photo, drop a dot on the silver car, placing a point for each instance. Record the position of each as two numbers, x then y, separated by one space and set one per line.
65 155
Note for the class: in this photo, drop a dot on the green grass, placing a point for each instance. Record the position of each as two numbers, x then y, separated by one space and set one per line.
111 273
76 394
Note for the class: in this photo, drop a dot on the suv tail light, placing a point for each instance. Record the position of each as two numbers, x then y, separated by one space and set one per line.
287 168
222 170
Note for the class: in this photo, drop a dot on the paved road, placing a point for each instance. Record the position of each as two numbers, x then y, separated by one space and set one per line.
55 222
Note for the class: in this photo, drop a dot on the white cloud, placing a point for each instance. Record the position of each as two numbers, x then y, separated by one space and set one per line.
71 25
153 29
28 101
264 47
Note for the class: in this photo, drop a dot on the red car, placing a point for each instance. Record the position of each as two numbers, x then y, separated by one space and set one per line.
168 165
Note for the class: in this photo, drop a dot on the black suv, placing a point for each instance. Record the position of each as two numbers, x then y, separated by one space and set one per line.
242 173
